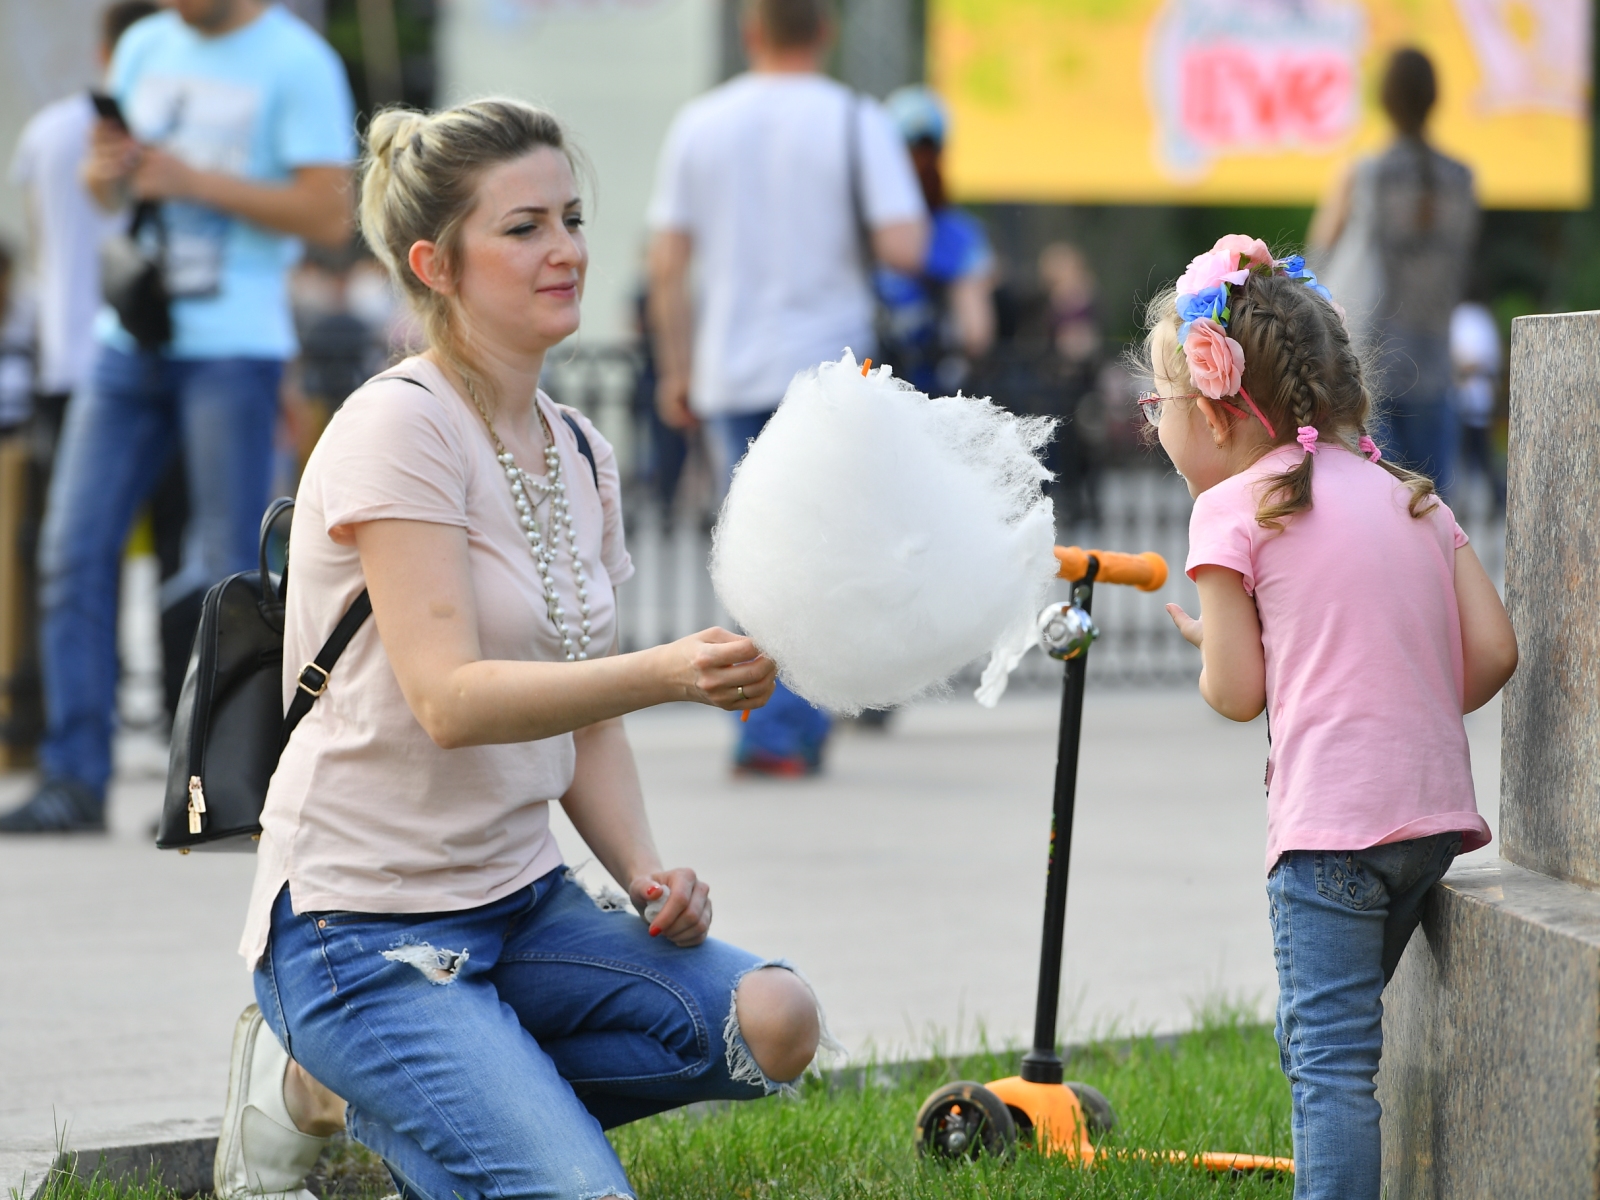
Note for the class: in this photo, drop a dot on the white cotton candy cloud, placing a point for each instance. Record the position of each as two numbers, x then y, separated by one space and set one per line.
875 541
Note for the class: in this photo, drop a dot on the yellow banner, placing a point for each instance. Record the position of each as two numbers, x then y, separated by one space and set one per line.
1252 101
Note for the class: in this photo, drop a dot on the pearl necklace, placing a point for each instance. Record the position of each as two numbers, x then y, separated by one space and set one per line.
526 493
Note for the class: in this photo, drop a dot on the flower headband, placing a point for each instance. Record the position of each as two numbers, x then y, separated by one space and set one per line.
1216 361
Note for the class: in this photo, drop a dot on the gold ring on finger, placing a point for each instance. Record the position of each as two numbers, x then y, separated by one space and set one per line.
741 693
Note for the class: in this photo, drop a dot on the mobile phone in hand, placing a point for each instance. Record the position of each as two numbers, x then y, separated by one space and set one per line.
106 106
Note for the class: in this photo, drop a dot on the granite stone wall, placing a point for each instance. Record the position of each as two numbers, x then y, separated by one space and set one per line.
1491 1026
1550 738
1490 1081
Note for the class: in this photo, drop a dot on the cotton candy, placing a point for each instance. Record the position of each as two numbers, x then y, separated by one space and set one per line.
874 540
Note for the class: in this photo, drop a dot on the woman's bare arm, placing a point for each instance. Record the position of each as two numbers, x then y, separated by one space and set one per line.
606 806
426 614
1488 643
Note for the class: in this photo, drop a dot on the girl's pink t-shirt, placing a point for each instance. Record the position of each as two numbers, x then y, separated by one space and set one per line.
1363 654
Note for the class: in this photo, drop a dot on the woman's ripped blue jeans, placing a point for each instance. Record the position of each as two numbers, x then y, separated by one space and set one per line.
483 1052
1340 922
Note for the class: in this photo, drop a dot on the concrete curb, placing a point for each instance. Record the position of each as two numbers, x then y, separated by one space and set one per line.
183 1165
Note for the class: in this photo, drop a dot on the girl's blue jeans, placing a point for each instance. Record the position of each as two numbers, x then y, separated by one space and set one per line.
1340 922
483 1052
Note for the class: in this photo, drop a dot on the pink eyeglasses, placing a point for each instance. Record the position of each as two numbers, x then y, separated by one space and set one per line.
1150 405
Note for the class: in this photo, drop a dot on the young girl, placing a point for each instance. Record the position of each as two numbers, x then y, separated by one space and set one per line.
1337 592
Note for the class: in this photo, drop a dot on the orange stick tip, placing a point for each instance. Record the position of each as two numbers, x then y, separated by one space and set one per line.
744 716
865 367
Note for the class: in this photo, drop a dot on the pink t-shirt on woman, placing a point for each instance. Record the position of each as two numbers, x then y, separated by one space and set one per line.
365 812
1363 653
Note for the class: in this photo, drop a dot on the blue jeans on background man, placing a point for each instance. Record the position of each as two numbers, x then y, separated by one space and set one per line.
1340 922
491 1065
119 436
787 734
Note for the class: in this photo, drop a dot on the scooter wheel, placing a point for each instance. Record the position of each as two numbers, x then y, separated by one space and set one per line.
964 1120
1098 1114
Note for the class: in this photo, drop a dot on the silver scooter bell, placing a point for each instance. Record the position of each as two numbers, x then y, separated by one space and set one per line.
1066 630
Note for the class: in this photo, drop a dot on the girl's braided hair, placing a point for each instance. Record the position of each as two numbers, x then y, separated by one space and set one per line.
1300 369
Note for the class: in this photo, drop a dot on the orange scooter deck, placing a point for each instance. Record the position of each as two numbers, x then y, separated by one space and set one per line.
1060 1128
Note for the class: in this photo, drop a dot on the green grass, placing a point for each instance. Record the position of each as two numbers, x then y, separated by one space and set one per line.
1217 1088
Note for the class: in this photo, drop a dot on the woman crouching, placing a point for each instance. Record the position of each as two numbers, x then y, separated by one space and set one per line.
430 976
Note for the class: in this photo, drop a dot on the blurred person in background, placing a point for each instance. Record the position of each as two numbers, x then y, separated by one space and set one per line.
340 348
66 226
1077 343
240 125
665 449
1397 235
936 320
1476 359
778 188
18 333
65 229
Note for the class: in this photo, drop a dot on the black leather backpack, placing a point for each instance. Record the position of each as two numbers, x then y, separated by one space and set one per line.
230 726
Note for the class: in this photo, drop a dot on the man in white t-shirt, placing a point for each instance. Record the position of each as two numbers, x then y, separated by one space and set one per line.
775 188
65 225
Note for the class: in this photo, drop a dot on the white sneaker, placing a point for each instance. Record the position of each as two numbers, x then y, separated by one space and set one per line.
259 1152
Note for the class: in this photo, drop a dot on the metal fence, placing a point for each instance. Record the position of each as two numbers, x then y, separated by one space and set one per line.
1143 506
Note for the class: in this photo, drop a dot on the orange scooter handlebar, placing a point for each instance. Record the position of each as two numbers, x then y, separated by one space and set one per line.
1147 571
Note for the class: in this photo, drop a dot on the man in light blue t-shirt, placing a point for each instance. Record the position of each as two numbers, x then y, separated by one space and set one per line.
241 126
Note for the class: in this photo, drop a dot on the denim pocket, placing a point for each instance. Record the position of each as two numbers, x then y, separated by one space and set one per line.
1342 877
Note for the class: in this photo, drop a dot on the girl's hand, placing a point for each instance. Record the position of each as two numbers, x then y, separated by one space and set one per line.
1187 625
712 666
685 919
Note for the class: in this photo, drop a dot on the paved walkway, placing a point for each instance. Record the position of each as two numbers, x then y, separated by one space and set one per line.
907 882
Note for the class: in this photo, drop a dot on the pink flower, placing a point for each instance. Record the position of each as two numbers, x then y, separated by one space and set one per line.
1235 245
1209 270
1216 361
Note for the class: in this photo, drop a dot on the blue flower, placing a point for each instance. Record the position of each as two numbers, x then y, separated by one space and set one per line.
1295 268
1208 302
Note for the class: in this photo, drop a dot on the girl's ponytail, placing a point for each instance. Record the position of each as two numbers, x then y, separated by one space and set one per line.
1292 364
1298 355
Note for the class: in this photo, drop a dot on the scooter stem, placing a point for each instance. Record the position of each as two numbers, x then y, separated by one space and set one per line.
1042 1064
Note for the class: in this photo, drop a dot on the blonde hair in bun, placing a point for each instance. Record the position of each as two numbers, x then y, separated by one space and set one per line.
419 180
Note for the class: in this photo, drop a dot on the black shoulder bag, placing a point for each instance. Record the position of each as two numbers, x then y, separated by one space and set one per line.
133 280
230 728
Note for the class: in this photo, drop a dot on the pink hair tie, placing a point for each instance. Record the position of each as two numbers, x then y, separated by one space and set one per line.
1306 435
1370 448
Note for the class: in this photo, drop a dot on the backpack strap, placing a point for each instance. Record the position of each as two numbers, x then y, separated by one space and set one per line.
314 675
583 446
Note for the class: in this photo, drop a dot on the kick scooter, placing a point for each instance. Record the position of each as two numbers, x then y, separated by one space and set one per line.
965 1119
